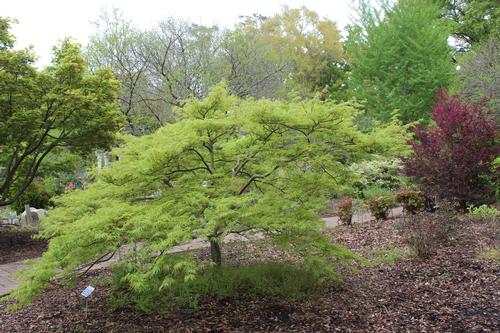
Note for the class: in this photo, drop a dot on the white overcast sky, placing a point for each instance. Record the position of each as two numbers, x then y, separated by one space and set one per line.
41 23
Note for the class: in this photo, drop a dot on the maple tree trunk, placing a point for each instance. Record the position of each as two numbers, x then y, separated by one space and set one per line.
215 252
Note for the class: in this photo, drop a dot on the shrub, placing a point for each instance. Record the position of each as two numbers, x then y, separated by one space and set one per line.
6 212
379 206
345 210
483 212
412 201
453 158
384 174
36 195
425 232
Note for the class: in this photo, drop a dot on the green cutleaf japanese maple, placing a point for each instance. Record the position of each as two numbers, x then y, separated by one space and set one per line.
227 166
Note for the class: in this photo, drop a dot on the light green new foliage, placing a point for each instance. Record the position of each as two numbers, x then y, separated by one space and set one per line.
484 212
228 166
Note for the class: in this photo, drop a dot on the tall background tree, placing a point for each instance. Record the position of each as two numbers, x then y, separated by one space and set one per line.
478 77
252 67
260 57
472 21
182 59
116 44
312 45
161 67
399 57
62 106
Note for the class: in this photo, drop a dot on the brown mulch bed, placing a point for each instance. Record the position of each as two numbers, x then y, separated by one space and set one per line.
453 291
16 245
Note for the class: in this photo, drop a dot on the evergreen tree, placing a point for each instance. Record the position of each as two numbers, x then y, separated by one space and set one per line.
399 57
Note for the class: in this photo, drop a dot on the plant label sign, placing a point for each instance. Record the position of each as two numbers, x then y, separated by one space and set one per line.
87 291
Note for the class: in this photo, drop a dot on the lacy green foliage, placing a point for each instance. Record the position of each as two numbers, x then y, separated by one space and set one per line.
270 279
383 174
227 166
412 201
345 210
380 205
386 140
483 212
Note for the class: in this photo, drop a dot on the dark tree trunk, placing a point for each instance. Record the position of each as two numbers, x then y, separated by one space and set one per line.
215 252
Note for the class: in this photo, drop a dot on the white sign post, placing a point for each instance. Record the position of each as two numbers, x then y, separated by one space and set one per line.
86 294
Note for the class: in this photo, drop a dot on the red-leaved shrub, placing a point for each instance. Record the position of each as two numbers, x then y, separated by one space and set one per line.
453 158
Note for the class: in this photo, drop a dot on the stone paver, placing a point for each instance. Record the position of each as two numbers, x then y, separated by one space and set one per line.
9 282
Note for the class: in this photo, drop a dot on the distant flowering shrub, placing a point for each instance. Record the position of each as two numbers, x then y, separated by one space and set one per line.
453 159
380 173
